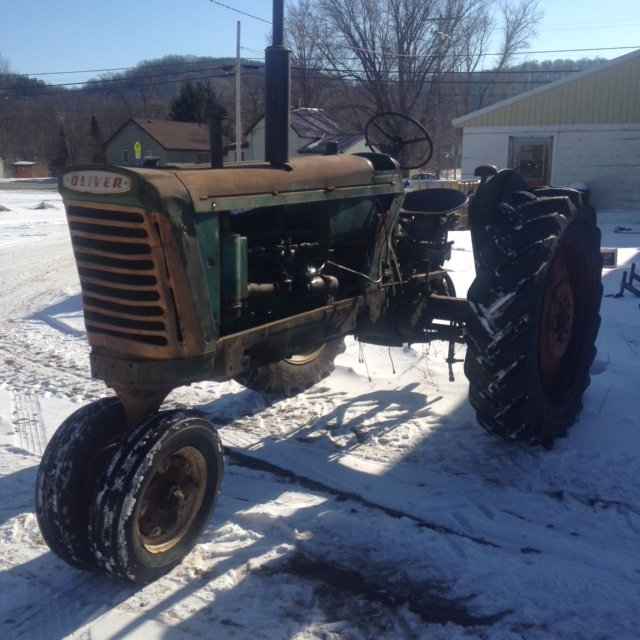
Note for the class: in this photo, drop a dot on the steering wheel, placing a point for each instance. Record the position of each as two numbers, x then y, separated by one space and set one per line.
400 137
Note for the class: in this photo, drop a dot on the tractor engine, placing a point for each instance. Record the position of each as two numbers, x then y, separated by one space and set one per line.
288 259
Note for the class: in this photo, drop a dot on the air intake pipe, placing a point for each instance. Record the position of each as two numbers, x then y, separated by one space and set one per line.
277 92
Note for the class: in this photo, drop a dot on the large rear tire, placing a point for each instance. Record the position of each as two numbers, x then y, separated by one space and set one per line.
534 316
295 374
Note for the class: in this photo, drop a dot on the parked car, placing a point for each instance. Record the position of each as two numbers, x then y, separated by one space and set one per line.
418 178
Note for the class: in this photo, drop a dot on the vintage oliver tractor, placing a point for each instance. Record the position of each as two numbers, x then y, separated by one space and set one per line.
256 272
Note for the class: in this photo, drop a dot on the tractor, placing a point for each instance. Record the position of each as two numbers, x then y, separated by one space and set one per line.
256 271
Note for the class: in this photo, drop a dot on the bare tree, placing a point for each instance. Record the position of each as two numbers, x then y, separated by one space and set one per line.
396 51
252 97
305 37
5 67
516 24
393 49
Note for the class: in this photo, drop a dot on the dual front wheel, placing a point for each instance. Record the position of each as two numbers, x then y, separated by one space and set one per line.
128 503
133 503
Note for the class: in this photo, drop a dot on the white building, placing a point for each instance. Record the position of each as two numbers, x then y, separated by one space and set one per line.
581 129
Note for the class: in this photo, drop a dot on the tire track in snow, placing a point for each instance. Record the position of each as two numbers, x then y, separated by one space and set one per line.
27 283
35 358
26 418
68 606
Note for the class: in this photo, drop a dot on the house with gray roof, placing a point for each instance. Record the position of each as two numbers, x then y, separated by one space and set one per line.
311 131
583 130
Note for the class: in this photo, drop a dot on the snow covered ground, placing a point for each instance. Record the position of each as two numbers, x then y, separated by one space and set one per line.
372 506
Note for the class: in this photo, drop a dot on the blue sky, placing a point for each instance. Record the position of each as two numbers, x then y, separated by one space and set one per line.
38 37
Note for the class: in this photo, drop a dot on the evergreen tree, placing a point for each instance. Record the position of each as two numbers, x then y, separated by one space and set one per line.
198 103
191 105
60 157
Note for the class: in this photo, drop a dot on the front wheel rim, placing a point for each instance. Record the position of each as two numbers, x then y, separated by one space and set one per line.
172 499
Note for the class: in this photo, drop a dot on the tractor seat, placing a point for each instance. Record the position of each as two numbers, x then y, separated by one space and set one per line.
439 202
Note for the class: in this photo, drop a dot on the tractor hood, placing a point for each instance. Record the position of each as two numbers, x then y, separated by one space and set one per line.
240 186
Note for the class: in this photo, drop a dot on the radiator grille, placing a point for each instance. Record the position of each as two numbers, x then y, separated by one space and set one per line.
121 268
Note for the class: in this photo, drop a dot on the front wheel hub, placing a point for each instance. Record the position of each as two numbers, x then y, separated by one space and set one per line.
172 499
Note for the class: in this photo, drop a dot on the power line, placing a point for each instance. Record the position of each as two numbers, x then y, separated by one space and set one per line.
43 92
519 53
314 69
145 65
123 80
163 78
261 59
61 73
446 56
244 13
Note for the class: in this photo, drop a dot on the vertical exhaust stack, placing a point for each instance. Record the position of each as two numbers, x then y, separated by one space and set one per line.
277 92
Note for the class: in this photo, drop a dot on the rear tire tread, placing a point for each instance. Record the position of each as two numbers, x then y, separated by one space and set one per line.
506 388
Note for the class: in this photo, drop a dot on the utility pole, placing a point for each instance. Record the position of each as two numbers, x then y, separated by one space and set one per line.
441 36
437 136
238 102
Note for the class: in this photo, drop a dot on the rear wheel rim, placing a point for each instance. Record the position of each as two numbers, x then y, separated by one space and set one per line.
305 358
563 332
557 318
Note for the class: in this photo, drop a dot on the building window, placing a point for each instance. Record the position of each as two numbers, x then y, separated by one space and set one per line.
203 157
125 156
531 158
